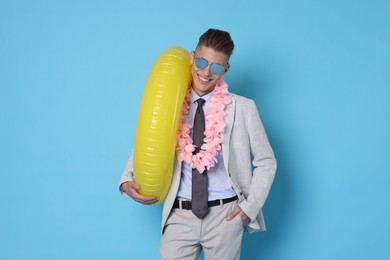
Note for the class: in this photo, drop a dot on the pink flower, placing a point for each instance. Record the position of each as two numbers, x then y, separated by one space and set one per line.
181 143
189 148
211 146
188 159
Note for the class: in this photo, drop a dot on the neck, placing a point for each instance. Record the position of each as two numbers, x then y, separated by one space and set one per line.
201 94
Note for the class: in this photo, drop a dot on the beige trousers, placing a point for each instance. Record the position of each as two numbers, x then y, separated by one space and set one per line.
185 235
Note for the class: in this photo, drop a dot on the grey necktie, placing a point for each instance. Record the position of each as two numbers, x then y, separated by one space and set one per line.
199 181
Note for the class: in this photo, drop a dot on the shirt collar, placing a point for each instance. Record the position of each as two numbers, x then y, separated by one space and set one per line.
195 96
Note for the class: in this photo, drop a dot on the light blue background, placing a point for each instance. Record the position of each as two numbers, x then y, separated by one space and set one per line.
72 75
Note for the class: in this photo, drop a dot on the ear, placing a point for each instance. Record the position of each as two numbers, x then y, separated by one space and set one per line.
227 68
192 57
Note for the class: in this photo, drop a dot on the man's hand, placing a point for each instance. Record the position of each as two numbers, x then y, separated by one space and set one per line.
131 188
244 218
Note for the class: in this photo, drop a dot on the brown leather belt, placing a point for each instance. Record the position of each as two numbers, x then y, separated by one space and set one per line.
186 204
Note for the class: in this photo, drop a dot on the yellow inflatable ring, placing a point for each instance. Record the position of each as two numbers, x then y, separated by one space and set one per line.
158 122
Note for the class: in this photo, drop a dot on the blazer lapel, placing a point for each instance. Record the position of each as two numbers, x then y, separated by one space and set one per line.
176 172
229 119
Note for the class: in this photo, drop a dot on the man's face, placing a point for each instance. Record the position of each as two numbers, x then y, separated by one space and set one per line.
203 80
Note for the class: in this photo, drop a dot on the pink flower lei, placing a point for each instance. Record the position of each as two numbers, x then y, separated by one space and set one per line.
214 116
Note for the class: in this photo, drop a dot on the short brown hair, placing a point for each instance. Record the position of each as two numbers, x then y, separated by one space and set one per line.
217 40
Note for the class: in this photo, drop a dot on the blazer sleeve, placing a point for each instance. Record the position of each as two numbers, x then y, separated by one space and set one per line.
127 174
264 164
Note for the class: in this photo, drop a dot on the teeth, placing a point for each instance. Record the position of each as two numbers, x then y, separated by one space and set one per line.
203 79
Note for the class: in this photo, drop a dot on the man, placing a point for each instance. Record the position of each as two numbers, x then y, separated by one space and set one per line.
231 159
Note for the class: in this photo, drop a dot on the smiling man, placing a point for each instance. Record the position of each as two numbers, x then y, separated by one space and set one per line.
224 168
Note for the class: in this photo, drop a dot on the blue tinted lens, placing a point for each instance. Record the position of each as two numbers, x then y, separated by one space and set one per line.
201 63
217 69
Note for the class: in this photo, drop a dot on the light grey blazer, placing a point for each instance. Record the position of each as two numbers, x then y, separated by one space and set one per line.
248 158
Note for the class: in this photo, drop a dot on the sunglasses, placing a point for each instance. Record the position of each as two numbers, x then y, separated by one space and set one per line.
215 68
